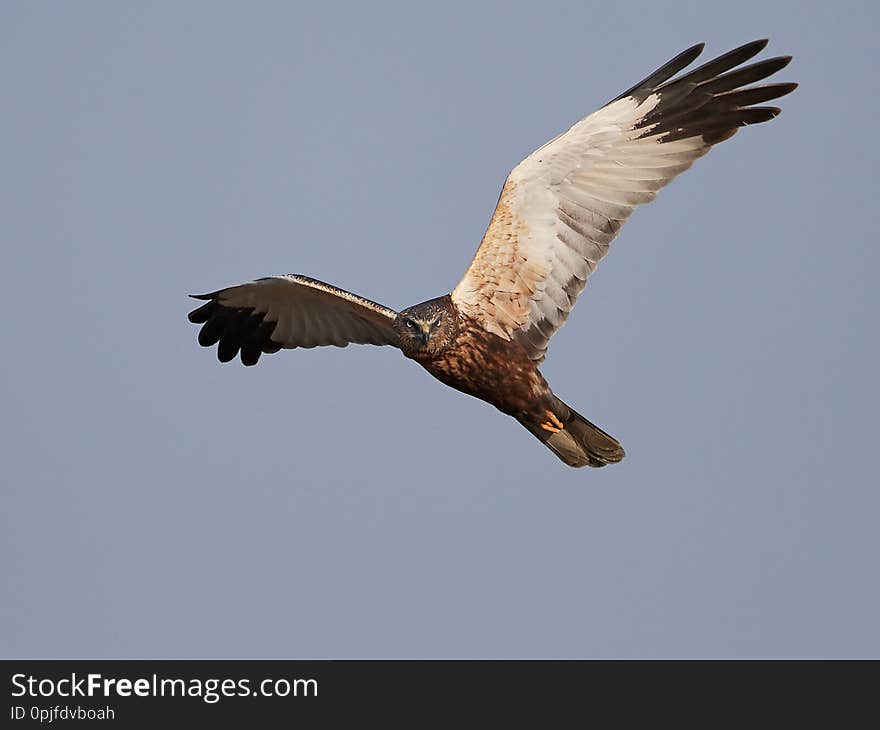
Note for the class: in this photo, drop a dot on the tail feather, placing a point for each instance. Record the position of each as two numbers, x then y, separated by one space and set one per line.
579 443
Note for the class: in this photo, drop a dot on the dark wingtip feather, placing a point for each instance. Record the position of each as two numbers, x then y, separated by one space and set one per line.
745 75
714 137
755 94
758 45
690 53
250 356
717 66
227 349
662 74
714 100
211 332
236 329
758 114
201 314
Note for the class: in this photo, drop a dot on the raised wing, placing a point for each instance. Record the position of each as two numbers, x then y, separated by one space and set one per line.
561 207
286 312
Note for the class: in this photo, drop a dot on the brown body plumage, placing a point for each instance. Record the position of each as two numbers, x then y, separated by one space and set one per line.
459 352
558 212
485 366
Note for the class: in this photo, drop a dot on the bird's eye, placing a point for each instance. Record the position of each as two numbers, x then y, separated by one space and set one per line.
437 322
409 323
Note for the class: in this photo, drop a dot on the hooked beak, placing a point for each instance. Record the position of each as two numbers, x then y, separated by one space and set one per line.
423 337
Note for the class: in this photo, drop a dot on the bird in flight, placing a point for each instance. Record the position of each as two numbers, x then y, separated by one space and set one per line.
558 212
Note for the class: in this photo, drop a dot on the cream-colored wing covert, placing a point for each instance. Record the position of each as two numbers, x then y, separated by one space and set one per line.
290 311
561 207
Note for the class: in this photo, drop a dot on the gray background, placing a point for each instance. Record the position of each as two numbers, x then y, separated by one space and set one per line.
341 503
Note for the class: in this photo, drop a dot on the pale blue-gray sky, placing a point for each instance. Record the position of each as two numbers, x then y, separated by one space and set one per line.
341 503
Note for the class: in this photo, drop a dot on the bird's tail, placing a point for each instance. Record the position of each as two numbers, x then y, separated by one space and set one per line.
578 442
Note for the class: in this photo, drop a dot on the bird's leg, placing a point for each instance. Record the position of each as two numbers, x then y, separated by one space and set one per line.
552 424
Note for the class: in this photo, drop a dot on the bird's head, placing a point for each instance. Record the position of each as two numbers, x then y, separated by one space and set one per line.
426 329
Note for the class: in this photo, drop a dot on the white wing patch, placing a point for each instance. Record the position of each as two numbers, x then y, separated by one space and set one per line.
563 205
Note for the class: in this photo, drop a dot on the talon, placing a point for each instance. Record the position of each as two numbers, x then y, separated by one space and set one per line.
552 424
552 427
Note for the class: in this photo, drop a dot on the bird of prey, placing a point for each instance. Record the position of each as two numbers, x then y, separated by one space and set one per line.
558 212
